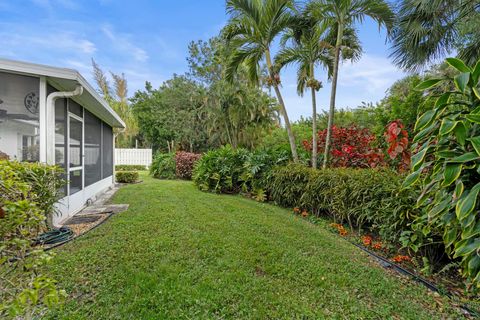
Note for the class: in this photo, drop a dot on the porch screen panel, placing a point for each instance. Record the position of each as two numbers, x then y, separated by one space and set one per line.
107 151
93 142
19 117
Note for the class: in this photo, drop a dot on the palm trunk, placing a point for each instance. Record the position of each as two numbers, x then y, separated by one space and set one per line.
283 110
314 120
333 95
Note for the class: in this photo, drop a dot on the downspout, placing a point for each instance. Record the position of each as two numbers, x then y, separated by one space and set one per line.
51 99
115 135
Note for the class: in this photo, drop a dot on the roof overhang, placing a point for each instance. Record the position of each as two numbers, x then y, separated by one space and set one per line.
64 79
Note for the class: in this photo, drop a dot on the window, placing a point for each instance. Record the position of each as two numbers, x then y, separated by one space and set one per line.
19 117
107 151
93 141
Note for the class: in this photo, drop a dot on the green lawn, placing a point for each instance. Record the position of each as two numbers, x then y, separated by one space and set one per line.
178 253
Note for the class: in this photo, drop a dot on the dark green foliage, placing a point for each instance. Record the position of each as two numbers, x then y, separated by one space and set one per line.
447 167
220 170
126 176
363 198
163 166
227 170
130 167
28 192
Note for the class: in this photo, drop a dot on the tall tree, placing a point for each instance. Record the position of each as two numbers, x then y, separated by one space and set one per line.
427 30
312 46
341 15
117 98
251 30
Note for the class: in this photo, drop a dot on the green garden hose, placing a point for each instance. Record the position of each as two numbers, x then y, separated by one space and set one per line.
55 236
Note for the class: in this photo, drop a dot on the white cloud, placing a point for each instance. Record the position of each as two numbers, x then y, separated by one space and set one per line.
371 73
122 42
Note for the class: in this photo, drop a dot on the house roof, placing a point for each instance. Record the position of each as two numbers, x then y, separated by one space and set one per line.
64 79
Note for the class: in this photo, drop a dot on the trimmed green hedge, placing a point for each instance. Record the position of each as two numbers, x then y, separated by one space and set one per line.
127 176
130 167
363 198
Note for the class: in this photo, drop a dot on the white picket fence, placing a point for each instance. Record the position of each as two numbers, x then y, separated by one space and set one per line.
141 157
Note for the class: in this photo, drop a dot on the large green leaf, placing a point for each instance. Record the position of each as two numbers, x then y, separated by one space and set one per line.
476 92
427 84
417 159
476 73
411 179
471 231
473 118
471 156
458 64
425 119
424 133
461 81
475 141
466 247
461 133
447 126
466 205
451 173
443 99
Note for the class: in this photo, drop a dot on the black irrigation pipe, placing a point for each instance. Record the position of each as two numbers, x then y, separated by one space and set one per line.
432 287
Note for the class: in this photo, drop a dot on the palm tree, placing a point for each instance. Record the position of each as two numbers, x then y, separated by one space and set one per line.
307 50
311 46
340 15
253 26
427 30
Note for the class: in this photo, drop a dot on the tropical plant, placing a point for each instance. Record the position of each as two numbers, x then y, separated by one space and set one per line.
352 147
342 15
426 30
250 32
163 166
184 163
446 165
27 194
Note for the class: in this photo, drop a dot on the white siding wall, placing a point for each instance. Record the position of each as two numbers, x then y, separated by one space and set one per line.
141 157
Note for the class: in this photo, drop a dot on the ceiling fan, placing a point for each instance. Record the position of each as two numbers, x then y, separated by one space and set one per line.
4 115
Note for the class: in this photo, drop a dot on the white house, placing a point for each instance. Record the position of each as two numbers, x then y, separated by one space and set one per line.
54 116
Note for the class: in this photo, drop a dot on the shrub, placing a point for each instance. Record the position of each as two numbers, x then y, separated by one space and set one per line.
447 167
127 176
351 147
184 162
220 170
130 167
364 198
163 166
233 171
27 194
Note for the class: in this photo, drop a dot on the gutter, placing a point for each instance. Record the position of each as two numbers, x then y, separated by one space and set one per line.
50 106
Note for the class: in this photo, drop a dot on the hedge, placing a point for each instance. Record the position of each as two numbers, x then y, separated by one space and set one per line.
127 176
130 167
363 198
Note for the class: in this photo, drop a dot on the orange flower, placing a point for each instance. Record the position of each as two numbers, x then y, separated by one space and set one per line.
304 213
367 240
377 245
400 258
296 210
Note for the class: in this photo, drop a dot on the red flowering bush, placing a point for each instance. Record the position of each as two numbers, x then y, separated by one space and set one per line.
184 164
351 147
397 139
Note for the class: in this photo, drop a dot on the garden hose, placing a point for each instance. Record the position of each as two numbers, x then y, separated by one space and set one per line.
55 236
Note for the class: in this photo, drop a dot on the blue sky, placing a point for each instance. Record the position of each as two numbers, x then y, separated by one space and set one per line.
148 40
